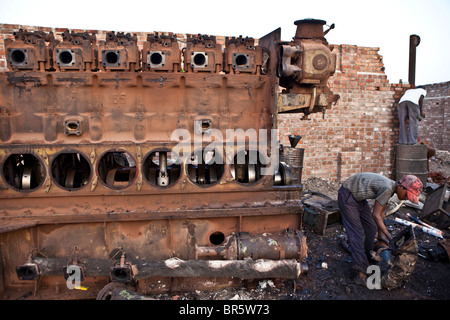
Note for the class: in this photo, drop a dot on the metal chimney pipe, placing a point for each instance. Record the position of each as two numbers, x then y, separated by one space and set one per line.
414 41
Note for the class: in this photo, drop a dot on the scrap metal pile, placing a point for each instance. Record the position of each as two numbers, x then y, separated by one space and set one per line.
121 163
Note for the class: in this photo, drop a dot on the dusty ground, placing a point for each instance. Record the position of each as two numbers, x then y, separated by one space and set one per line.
440 165
330 264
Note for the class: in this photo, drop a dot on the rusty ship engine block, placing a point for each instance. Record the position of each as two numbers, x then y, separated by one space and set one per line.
94 189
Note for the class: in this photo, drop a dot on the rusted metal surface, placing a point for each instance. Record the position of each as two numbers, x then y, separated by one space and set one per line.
307 60
203 54
241 55
29 50
161 53
119 52
291 244
77 51
174 267
91 175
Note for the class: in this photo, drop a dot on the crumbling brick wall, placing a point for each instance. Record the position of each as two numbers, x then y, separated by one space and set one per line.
358 134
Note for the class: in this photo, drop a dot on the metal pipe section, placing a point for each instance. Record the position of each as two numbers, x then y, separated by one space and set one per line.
414 41
290 244
174 267
243 255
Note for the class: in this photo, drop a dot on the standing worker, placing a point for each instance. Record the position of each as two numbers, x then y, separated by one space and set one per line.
362 224
411 106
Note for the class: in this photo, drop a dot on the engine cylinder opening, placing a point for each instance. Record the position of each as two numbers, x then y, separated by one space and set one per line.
116 169
199 59
18 56
71 171
23 172
162 168
206 167
111 58
65 57
246 166
217 238
156 58
241 60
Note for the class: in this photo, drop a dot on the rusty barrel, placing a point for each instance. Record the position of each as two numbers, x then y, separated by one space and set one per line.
294 158
412 159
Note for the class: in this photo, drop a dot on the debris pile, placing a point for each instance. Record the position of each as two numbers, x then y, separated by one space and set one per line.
439 167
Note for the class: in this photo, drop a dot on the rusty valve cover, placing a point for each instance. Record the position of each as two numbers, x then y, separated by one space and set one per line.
203 54
161 53
241 55
119 52
77 51
29 50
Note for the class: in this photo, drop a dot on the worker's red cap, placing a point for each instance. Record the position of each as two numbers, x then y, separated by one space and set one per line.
413 186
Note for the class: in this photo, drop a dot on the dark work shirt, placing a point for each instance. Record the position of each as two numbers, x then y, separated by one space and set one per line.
368 185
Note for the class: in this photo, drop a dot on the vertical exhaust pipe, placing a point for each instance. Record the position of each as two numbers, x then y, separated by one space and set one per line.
414 41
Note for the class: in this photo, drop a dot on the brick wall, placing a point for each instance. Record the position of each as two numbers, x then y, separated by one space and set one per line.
359 133
436 125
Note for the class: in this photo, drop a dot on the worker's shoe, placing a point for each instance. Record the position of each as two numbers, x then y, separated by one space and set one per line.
360 278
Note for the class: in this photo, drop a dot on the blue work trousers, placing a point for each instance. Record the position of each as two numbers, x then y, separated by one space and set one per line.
360 227
408 110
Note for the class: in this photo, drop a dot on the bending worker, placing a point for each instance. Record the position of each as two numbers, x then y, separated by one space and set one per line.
410 106
362 224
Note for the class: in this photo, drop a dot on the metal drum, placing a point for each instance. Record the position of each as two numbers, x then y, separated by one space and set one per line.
294 158
412 159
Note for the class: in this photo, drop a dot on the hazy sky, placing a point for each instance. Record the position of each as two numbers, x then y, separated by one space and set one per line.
386 24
